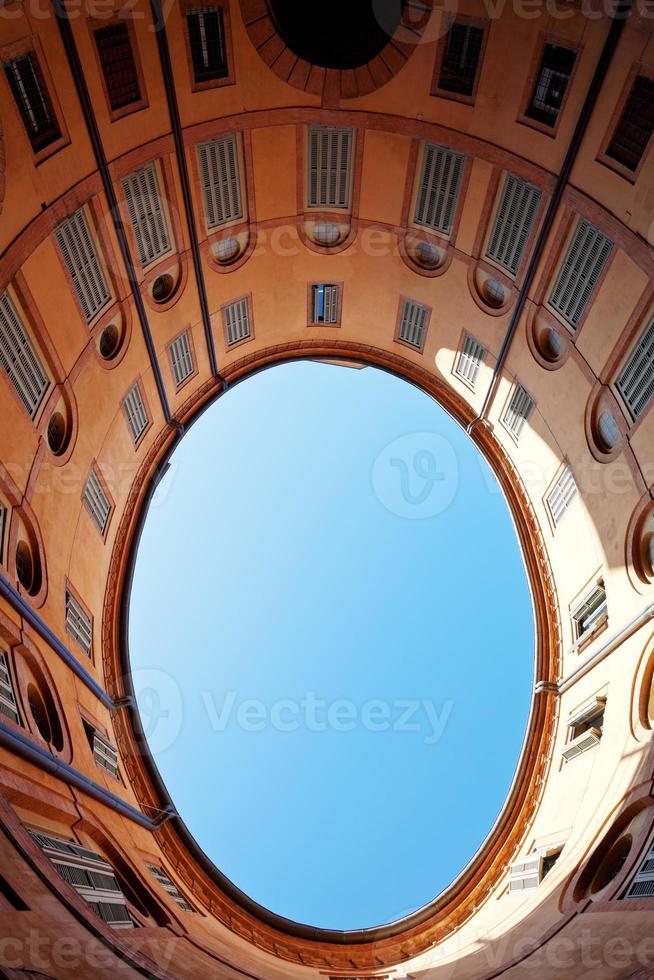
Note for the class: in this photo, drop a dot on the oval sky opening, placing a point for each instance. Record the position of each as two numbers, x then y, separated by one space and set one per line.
332 642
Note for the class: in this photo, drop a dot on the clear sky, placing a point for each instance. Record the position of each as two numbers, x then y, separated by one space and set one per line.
332 640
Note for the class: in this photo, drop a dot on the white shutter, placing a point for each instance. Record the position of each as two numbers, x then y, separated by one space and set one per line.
162 878
440 183
78 624
146 214
590 612
220 180
642 883
78 252
636 380
514 220
237 321
105 754
581 269
134 409
181 359
96 500
19 359
91 877
324 303
561 495
525 874
519 410
412 323
330 164
8 706
470 357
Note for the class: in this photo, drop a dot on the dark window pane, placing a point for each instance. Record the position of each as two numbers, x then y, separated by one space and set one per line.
551 84
636 124
32 100
118 67
461 58
207 37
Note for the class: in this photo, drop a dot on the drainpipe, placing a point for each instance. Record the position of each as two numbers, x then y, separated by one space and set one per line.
72 55
618 21
173 111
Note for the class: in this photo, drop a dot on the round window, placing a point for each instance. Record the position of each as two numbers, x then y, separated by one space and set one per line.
427 255
227 250
494 293
25 566
608 432
109 342
162 288
326 233
57 433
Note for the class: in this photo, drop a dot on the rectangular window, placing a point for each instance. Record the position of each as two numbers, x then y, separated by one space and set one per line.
642 883
146 214
206 32
440 183
413 324
221 180
585 726
78 624
551 84
19 359
561 495
461 56
97 501
324 303
580 272
135 413
469 360
590 613
104 753
519 410
90 875
118 66
181 359
636 380
528 873
33 101
8 706
237 321
81 260
162 878
514 220
330 157
635 126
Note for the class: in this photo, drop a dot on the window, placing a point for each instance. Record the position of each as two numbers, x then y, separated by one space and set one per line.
79 255
29 91
635 126
19 359
104 753
636 380
330 153
440 183
220 180
585 725
642 883
519 410
528 873
206 33
135 413
97 501
470 357
118 66
561 495
236 318
580 272
181 359
462 51
78 623
162 878
8 706
590 613
91 877
551 84
413 324
514 220
146 214
324 303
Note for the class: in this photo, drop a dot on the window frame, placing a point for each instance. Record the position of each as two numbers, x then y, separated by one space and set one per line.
516 390
95 24
112 505
89 216
69 589
638 68
188 6
582 639
163 177
534 74
398 323
138 384
468 21
503 179
339 304
458 357
32 45
194 361
244 340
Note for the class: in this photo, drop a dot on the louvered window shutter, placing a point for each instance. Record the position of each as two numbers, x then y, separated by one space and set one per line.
81 260
519 410
561 495
8 706
78 624
135 413
470 358
181 359
514 220
19 359
330 153
642 884
413 323
237 321
96 500
438 193
580 272
146 214
221 180
636 380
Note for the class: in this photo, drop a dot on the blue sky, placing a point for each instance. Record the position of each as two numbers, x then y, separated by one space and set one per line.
332 642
